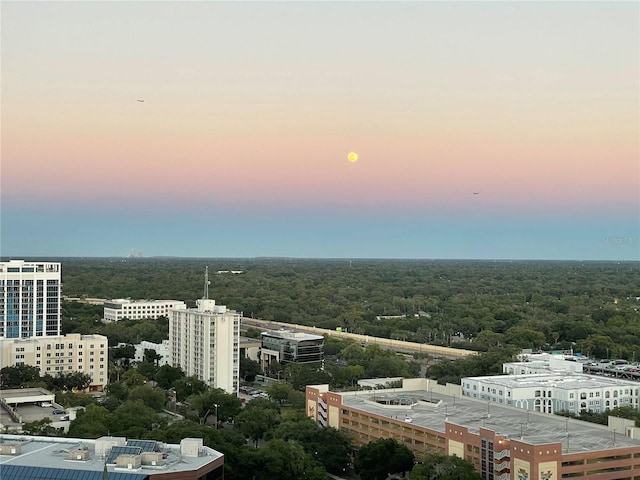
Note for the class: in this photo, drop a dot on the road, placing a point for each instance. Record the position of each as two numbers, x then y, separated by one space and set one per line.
396 345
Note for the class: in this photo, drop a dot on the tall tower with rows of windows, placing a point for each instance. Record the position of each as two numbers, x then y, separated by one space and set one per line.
205 342
30 298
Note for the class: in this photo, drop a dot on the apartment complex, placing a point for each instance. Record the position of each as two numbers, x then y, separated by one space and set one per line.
502 442
30 299
116 310
113 458
285 346
60 354
204 342
554 392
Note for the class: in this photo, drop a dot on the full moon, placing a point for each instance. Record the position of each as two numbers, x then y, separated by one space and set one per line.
353 157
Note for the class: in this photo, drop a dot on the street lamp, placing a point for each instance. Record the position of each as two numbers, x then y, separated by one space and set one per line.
216 405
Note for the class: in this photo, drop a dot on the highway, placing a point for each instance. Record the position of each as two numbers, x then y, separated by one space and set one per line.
387 343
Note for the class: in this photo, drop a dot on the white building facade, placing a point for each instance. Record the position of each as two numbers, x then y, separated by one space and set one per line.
54 355
553 392
204 342
161 349
116 310
30 299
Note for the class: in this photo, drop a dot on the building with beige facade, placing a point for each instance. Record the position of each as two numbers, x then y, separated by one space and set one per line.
60 354
502 442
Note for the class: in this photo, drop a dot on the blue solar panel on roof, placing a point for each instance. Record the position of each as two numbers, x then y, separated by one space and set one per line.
118 450
145 445
23 472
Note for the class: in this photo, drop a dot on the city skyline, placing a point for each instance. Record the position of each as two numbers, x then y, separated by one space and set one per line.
484 130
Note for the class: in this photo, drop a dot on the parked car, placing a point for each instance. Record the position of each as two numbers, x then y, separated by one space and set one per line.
64 417
57 411
46 404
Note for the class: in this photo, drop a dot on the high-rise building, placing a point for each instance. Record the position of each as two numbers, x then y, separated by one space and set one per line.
29 299
204 342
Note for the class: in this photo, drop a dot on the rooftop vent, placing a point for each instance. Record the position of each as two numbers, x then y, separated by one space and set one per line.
10 449
190 447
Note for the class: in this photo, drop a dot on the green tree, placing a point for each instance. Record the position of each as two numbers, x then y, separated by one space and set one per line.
188 386
257 418
19 376
228 406
525 337
330 446
279 391
168 375
133 378
249 369
92 422
123 354
151 356
379 458
285 460
68 381
154 398
133 419
300 375
347 376
444 467
147 369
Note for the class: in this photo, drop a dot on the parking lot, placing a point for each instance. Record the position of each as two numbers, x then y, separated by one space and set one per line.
29 412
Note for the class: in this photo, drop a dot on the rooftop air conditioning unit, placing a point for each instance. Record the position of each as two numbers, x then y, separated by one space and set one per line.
10 449
78 455
128 461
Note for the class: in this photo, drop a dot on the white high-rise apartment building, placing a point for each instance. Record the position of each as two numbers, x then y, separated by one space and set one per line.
204 342
30 299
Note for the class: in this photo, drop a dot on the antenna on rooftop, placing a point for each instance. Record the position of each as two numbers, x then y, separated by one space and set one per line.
206 283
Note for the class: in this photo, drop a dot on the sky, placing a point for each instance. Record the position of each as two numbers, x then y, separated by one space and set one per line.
484 130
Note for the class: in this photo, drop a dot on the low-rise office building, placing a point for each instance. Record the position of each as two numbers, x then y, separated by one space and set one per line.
60 354
114 458
543 363
116 310
502 442
285 346
554 392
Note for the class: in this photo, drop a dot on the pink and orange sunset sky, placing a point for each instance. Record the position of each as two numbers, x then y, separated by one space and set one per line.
251 108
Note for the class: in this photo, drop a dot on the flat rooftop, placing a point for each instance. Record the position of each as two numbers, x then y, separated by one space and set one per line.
562 380
536 428
52 452
289 334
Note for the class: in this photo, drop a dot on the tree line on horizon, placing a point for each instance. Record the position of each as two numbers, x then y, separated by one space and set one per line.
590 307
